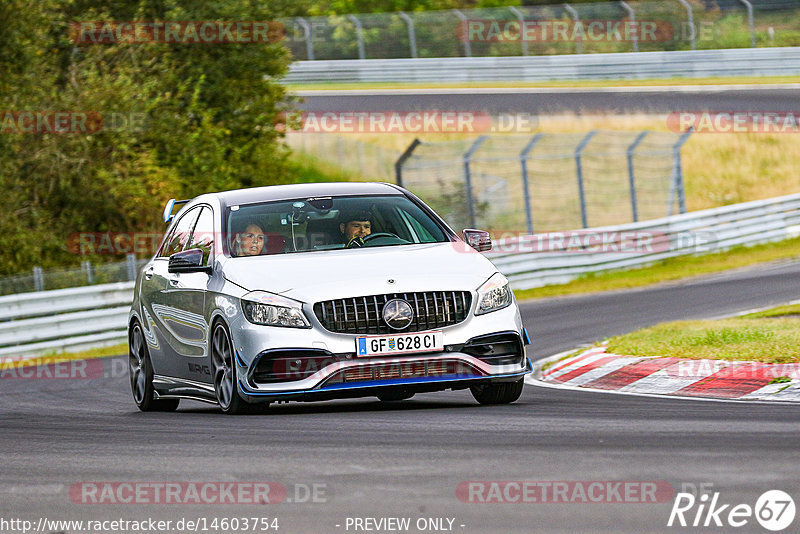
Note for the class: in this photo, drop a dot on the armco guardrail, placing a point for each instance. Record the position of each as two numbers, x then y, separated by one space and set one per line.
642 243
630 65
37 323
42 322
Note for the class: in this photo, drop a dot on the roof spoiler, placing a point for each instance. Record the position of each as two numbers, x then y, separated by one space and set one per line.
171 203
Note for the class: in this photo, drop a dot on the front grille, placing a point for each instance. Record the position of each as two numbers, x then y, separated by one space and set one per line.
363 315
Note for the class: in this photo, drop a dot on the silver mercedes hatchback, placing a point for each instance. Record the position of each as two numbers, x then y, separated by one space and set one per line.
315 292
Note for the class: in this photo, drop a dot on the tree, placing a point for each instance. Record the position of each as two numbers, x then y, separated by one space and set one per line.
178 120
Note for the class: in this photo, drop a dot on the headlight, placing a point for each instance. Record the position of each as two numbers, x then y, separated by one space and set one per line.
265 308
493 295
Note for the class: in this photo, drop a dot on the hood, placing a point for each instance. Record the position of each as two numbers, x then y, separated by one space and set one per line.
324 275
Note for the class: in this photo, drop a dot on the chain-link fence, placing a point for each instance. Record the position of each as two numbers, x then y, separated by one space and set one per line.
645 25
549 182
87 274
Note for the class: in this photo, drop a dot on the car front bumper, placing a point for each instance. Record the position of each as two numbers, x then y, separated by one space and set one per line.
345 375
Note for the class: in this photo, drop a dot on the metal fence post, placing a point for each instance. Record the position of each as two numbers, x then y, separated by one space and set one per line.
750 22
677 173
579 171
521 19
690 21
523 160
578 41
398 165
463 18
86 267
412 36
38 279
308 37
631 176
468 177
130 260
632 17
362 53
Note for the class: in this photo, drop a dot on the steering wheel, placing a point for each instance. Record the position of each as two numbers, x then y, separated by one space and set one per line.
362 241
370 237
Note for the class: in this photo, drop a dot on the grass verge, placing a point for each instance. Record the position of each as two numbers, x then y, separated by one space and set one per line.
788 310
669 270
768 340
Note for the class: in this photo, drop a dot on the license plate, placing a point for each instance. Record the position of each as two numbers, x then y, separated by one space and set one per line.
400 343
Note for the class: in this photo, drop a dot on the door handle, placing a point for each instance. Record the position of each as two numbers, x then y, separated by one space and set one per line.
148 274
173 282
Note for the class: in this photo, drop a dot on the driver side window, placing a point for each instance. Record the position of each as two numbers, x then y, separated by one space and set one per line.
179 237
203 234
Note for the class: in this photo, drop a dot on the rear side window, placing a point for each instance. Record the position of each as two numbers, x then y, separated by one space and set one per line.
179 237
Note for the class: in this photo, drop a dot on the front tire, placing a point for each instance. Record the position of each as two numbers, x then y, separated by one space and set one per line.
223 369
502 393
140 371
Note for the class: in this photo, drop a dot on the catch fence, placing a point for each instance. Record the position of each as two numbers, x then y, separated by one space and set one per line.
548 182
676 25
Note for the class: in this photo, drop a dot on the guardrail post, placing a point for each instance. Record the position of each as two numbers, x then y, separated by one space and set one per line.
579 172
308 37
362 53
632 17
631 176
578 41
677 173
412 36
468 177
398 165
130 261
750 22
523 160
463 18
38 279
521 19
86 267
690 21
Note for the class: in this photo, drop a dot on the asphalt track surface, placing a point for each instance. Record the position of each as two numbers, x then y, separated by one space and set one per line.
554 101
406 459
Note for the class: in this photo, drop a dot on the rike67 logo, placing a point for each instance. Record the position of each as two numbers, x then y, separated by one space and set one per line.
774 510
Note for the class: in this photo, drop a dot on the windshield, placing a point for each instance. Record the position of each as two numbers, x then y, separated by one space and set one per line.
305 225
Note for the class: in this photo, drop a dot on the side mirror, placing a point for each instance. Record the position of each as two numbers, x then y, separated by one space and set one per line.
188 261
480 240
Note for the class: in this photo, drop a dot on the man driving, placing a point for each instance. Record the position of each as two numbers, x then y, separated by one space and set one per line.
355 226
